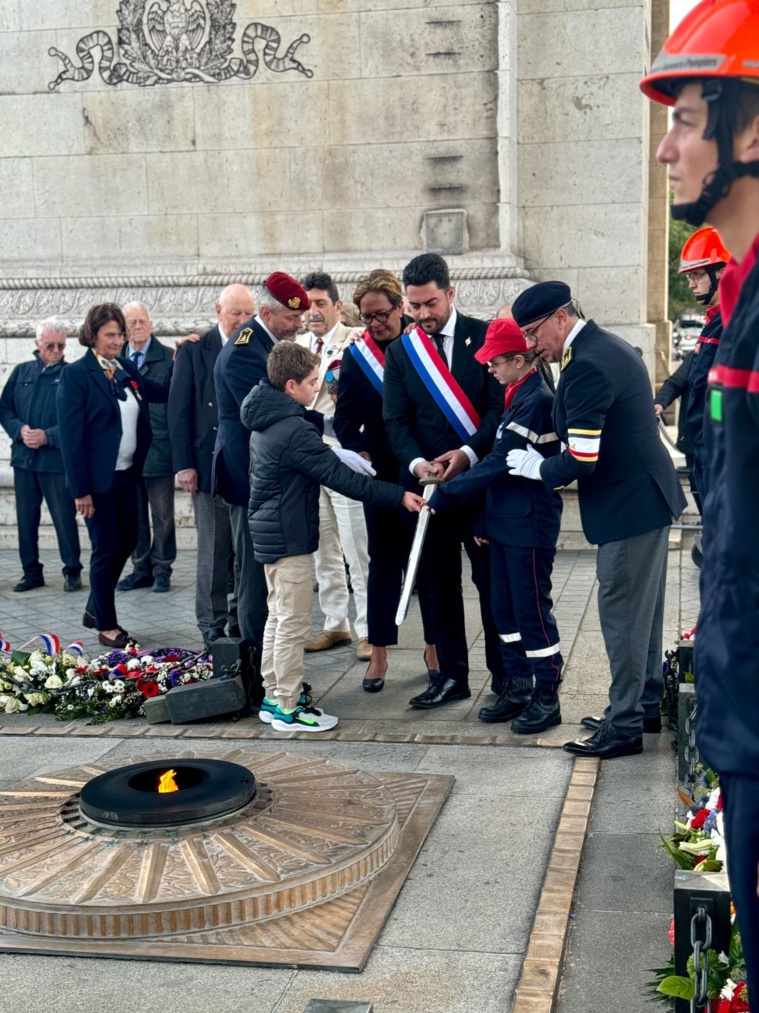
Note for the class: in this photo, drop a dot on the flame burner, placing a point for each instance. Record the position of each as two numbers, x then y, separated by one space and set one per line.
166 794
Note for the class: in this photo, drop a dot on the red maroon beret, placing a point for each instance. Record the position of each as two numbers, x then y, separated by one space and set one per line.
287 291
502 336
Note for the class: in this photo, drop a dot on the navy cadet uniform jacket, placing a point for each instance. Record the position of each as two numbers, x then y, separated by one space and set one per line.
156 365
518 511
626 481
28 399
701 363
727 641
89 420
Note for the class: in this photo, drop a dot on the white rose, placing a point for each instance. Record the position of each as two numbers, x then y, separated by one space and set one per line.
21 673
36 699
54 682
36 656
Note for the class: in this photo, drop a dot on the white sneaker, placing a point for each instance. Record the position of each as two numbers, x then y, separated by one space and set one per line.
302 719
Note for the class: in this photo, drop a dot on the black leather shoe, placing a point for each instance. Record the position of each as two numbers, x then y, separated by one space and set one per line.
162 583
373 685
510 703
211 636
89 621
29 583
440 691
605 743
650 725
543 711
133 581
72 584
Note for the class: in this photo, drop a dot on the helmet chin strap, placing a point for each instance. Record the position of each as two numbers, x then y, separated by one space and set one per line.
717 184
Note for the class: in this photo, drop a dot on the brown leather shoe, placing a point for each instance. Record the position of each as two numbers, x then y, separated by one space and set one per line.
115 643
364 651
327 639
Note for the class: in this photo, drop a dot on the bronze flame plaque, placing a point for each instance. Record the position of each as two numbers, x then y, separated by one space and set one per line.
303 875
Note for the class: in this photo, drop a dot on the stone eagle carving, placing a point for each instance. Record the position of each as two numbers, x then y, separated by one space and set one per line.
175 29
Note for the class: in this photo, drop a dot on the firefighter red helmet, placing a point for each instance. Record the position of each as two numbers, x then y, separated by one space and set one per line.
717 39
703 249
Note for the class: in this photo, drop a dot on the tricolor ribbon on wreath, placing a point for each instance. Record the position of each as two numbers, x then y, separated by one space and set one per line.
50 643
441 384
371 360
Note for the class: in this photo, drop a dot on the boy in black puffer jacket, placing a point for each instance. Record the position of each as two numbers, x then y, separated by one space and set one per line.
288 463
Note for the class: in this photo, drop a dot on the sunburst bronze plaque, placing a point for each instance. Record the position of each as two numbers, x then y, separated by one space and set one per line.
304 874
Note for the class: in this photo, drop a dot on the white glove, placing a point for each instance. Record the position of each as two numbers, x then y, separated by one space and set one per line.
356 462
525 462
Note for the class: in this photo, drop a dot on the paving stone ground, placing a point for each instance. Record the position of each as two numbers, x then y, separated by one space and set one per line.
456 939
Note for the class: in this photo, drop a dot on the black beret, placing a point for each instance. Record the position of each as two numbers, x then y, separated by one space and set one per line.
540 301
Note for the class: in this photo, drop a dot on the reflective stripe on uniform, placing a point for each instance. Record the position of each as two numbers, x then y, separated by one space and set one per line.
530 435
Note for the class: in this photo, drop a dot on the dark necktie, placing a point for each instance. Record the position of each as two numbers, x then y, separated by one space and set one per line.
319 346
136 358
439 340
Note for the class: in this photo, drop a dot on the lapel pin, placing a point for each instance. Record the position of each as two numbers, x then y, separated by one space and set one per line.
468 341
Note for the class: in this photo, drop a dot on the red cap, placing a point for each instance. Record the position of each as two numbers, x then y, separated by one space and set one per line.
287 291
502 336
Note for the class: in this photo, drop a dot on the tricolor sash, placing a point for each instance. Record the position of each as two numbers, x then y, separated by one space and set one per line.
371 359
441 383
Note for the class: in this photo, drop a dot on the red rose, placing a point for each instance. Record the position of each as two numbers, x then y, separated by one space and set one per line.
148 688
699 819
720 805
699 860
739 1002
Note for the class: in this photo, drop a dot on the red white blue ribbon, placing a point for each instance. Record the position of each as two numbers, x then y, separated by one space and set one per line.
5 647
371 359
49 641
441 384
76 649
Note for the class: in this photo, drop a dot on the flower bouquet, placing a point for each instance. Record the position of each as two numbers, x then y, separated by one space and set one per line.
110 686
698 844
726 988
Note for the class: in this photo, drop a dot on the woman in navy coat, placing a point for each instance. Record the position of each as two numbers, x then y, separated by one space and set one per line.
359 426
105 435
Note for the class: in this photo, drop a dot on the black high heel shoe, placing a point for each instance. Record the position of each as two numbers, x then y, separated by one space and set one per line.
374 685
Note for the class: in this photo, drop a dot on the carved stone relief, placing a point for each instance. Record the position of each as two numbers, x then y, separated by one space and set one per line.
177 41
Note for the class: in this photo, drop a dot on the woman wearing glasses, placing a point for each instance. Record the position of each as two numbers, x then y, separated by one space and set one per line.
360 427
105 435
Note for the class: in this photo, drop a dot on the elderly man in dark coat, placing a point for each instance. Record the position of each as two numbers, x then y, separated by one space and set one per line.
28 415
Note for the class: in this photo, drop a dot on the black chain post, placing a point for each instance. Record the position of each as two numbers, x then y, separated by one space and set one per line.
700 923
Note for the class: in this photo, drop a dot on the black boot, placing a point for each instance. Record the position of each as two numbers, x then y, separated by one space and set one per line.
542 712
510 703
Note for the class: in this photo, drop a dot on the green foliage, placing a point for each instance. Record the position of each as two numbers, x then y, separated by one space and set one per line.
680 299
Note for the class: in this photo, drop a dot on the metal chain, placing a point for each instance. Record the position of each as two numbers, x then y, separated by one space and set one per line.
691 750
701 949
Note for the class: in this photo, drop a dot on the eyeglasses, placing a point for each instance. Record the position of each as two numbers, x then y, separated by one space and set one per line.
499 361
694 277
531 335
50 345
382 317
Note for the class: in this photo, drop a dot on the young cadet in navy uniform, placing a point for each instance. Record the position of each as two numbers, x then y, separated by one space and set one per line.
709 72
426 443
240 366
628 492
521 523
702 261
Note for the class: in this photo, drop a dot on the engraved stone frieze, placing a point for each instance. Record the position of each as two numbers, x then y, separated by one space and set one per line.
177 41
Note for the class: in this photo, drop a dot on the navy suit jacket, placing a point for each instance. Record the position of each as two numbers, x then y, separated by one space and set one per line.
416 427
89 422
193 415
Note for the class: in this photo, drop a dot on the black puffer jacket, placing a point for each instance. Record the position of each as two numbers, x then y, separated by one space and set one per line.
288 463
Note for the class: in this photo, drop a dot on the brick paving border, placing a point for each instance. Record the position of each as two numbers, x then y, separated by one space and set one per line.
536 991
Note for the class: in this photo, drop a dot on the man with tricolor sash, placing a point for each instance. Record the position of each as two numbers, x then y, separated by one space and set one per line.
628 491
441 409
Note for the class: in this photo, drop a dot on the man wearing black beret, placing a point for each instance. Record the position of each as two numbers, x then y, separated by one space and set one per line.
628 492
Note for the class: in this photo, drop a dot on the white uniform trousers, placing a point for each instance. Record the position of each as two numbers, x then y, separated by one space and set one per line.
342 531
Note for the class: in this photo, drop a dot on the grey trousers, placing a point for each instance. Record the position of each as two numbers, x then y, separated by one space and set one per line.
632 575
154 556
214 607
252 592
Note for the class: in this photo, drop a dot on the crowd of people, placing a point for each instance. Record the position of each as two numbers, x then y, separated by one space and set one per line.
300 465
